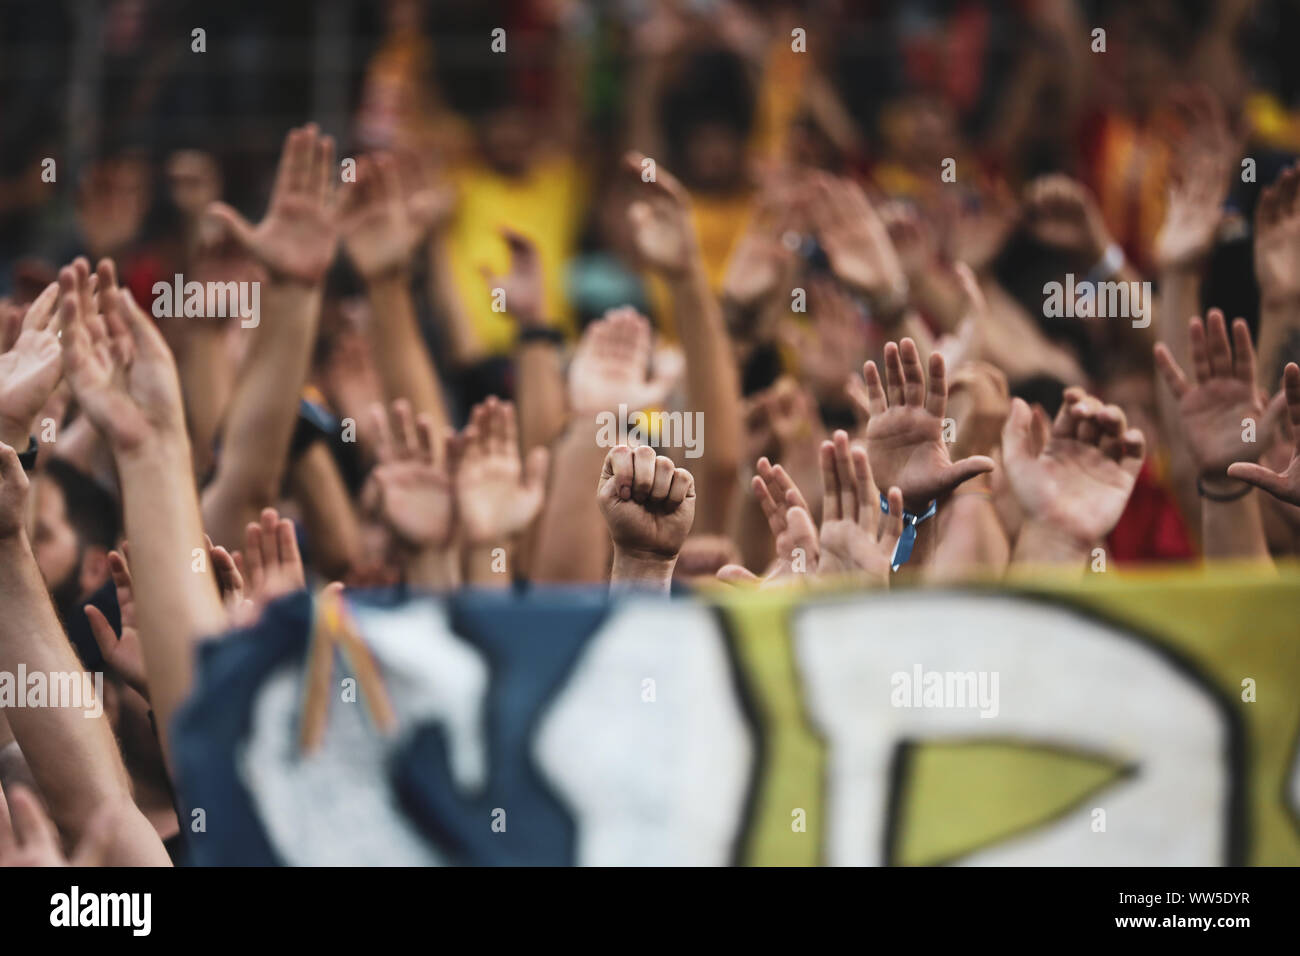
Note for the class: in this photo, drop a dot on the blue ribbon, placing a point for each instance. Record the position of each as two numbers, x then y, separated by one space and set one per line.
906 540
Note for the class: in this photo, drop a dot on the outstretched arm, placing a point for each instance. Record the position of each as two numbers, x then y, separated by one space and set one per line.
295 243
123 377
609 375
70 750
1277 267
385 218
649 506
1216 414
665 240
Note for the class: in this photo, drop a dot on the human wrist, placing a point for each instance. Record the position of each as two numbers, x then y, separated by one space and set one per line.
690 276
1216 487
13 545
168 445
1047 542
16 434
633 568
1279 298
388 280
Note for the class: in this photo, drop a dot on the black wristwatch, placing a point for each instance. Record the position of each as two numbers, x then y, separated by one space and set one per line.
28 457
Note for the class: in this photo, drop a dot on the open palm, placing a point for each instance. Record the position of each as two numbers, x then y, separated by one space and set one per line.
905 427
496 496
31 369
297 238
1077 473
121 371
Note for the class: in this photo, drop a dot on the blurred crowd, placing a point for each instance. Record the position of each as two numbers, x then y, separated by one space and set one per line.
823 231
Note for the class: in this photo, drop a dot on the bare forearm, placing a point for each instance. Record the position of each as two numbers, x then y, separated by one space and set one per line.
433 569
176 605
713 390
572 540
1040 543
403 360
68 745
635 573
331 522
263 412
541 400
1279 338
971 540
1233 530
486 567
466 347
207 380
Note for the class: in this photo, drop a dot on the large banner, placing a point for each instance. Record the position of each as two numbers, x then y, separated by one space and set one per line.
1150 719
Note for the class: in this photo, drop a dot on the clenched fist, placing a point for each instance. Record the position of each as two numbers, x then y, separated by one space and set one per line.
648 503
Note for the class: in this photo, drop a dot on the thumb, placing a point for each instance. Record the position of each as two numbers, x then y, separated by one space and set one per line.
736 575
1261 477
232 223
965 470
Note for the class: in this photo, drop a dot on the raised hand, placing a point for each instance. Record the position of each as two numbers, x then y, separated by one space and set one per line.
905 427
612 366
1277 238
783 421
662 231
1202 164
497 495
270 559
978 401
1060 212
834 348
760 258
409 490
648 504
28 836
523 285
119 368
112 202
297 238
856 240
1072 477
379 226
30 368
1223 395
1284 485
230 581
977 226
122 653
855 539
798 550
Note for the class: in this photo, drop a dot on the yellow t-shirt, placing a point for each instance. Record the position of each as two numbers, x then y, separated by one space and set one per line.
546 205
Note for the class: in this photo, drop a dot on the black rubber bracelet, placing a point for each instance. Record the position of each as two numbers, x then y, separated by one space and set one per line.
541 333
1221 497
28 457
